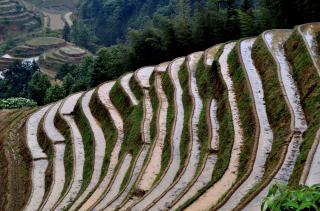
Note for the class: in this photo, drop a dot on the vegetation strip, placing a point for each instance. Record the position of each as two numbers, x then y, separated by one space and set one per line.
78 148
135 174
213 194
275 41
309 33
307 78
120 175
265 135
99 150
208 129
59 146
104 96
124 81
154 164
193 159
170 173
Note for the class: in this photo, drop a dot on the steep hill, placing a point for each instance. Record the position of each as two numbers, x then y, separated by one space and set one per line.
211 130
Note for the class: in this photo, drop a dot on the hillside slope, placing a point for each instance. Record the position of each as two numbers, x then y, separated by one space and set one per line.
210 131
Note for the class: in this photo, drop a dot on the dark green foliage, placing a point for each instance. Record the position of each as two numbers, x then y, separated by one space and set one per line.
54 93
66 32
281 197
16 80
109 64
14 103
38 86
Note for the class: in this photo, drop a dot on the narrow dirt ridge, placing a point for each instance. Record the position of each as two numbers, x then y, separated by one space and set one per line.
104 96
314 171
213 194
143 76
193 159
39 160
207 170
134 176
124 81
154 165
265 138
57 140
99 148
66 111
116 185
172 170
275 40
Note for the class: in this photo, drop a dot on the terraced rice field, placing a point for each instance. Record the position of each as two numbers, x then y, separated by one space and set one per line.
13 11
63 54
210 131
30 50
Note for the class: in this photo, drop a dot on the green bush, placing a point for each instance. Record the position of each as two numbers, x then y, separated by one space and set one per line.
280 197
13 103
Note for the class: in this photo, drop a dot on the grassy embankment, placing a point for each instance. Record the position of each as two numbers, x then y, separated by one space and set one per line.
277 111
132 118
308 82
168 89
211 85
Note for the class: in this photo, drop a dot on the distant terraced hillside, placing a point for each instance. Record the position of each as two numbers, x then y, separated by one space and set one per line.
213 130
15 18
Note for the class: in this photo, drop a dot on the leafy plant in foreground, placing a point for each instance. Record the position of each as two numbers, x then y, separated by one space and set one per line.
281 197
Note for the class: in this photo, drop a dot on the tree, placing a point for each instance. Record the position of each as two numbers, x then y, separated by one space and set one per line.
68 82
246 5
66 32
110 63
246 24
38 86
54 93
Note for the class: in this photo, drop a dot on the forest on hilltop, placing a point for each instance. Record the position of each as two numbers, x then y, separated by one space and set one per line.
126 35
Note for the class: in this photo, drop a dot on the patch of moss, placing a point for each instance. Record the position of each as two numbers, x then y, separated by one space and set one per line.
307 80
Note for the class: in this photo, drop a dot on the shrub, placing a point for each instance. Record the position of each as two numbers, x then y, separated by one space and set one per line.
280 197
13 103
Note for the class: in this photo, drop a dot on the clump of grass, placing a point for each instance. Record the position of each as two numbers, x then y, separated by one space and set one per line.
307 80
